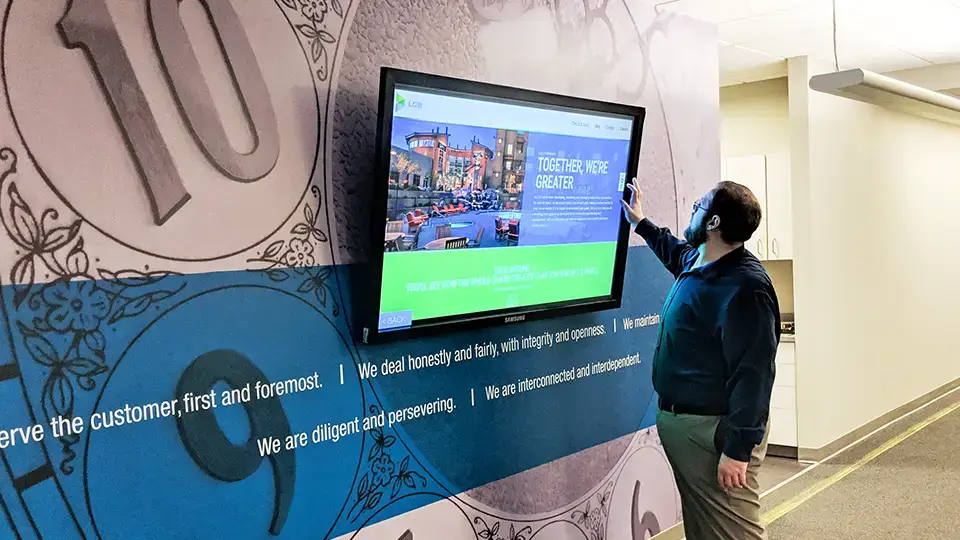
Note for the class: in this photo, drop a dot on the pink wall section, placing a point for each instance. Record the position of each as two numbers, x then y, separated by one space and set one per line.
64 158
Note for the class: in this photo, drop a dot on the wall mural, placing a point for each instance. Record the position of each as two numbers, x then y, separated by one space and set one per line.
182 200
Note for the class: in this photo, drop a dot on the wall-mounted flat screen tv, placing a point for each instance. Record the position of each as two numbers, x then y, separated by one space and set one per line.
494 205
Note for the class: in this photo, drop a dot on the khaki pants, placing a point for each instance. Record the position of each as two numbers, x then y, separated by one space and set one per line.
708 512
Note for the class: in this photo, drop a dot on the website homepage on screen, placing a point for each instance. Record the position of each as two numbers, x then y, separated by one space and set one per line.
497 205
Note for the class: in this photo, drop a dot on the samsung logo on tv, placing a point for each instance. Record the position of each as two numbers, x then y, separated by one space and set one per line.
515 318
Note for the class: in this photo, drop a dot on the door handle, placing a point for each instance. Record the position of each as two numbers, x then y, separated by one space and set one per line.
775 248
760 247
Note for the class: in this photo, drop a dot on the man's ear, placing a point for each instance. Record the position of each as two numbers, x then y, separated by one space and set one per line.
713 223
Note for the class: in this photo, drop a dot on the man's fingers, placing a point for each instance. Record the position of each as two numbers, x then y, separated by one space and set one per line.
729 480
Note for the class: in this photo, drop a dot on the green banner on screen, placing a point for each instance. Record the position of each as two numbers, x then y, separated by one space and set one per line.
442 283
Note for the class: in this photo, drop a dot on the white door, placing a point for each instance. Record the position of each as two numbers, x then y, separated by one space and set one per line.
779 207
751 171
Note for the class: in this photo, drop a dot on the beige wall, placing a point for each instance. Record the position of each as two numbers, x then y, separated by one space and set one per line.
935 77
875 206
781 273
755 119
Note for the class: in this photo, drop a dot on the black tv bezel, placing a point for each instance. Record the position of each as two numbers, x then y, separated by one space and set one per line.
369 312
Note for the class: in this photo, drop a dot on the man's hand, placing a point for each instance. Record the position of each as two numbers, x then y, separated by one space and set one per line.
633 210
731 473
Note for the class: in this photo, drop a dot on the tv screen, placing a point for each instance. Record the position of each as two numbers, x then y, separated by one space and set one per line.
495 205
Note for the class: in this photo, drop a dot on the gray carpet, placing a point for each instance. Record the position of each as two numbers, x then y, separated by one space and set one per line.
776 470
912 492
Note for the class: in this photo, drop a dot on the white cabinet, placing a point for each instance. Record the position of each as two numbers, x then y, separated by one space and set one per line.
779 207
768 177
783 401
751 171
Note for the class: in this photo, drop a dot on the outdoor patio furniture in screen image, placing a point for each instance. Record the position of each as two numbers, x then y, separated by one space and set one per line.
476 241
513 232
456 243
412 241
444 231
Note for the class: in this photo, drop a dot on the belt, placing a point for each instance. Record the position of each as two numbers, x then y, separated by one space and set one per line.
694 410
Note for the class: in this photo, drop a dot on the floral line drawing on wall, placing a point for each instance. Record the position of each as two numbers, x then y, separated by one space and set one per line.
594 519
61 317
294 258
590 519
385 476
315 13
492 532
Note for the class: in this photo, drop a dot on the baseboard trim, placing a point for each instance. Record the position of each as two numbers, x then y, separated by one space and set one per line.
673 533
787 452
819 454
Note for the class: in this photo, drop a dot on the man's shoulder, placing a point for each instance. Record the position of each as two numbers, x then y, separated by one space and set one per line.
753 277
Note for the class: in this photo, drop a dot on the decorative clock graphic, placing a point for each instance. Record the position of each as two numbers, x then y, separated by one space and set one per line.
199 108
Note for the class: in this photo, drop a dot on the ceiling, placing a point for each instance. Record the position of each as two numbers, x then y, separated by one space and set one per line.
756 36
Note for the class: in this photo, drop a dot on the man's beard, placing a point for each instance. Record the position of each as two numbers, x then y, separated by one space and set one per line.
696 234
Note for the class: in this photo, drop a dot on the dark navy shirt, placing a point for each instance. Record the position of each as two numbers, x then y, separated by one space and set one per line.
719 333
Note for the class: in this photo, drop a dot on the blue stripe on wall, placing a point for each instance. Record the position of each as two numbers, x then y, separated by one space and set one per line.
134 480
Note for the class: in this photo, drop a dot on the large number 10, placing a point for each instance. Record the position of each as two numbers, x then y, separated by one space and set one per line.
87 24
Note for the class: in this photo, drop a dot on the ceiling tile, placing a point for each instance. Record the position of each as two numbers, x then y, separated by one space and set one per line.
814 15
813 43
876 57
741 64
853 51
718 11
924 28
938 57
879 35
735 57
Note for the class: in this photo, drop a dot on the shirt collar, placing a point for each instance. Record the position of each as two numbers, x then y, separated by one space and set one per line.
717 267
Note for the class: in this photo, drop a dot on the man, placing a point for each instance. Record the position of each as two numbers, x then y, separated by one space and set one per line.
714 363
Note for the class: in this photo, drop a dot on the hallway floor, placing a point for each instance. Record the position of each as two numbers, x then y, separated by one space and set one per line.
777 470
902 482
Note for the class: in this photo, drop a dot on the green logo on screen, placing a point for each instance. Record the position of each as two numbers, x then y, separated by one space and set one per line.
401 103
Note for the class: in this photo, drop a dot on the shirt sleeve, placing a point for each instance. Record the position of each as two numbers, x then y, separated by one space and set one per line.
671 251
749 336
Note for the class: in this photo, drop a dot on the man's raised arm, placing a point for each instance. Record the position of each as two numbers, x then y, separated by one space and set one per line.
671 251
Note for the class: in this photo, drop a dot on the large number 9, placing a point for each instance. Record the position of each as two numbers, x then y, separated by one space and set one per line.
213 451
641 526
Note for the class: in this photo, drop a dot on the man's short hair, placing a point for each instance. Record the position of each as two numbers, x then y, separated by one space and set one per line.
738 210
